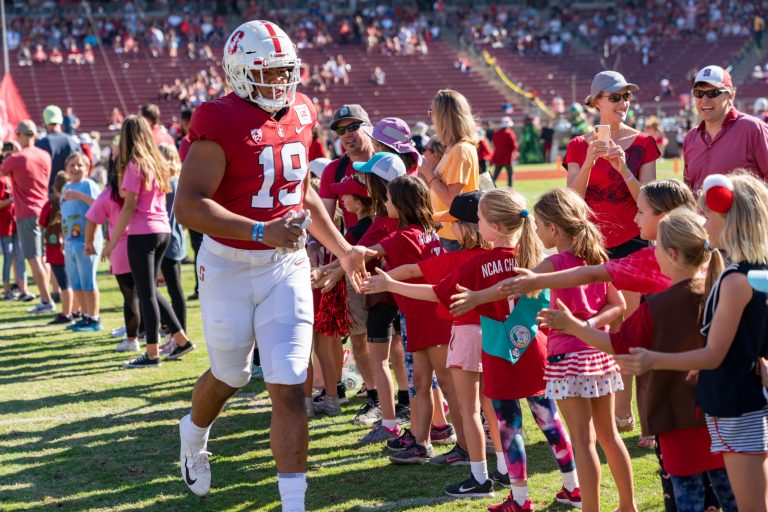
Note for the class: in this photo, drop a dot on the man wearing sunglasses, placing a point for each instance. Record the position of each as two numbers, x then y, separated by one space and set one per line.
725 139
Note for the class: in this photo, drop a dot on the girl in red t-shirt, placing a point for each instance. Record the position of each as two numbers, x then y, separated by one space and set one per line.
416 240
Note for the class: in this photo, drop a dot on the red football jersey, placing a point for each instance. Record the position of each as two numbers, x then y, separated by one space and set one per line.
267 160
436 271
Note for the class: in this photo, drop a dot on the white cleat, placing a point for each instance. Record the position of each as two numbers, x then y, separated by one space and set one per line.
195 469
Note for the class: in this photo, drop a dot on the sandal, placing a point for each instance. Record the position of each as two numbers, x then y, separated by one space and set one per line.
647 442
625 424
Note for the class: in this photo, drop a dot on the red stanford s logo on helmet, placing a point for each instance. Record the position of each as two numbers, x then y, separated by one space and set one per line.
252 48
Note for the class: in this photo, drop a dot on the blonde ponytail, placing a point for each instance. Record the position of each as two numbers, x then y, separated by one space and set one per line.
507 209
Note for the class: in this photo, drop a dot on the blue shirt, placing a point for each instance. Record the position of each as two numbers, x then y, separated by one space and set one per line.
177 248
73 212
59 146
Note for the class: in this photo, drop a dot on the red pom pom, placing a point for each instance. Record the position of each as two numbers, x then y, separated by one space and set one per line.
332 317
718 193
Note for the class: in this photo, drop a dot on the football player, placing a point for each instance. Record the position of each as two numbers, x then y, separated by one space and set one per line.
245 186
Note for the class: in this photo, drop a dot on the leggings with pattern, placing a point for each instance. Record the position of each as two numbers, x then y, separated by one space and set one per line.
544 411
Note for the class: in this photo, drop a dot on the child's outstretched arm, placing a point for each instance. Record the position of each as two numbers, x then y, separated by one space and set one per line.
383 282
527 281
735 293
405 272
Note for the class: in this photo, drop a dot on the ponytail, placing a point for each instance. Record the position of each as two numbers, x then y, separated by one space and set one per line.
528 245
507 209
565 209
716 266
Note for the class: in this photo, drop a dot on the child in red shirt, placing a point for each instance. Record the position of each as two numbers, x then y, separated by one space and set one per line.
50 221
9 241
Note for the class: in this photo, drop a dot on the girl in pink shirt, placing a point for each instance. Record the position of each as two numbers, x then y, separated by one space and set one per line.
143 185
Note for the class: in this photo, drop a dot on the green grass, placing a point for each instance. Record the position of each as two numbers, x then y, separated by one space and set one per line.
78 432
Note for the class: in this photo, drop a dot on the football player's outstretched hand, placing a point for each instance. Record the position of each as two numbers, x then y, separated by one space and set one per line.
281 233
353 264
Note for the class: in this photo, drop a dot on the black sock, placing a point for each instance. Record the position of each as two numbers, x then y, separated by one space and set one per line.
373 395
403 398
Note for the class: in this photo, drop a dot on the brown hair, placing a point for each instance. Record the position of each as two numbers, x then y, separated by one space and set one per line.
471 237
410 198
454 122
504 208
681 229
137 145
377 189
151 113
60 180
663 196
566 209
408 159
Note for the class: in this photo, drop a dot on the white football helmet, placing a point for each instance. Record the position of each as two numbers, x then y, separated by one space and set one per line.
254 47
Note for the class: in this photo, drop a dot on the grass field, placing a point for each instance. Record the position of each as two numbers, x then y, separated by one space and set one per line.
78 432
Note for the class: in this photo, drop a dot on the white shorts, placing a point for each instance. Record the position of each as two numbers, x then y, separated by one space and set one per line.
248 296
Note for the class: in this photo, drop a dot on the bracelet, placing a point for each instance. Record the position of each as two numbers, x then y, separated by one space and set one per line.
591 323
629 177
257 235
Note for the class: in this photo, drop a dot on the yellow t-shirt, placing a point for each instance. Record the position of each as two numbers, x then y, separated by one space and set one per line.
458 166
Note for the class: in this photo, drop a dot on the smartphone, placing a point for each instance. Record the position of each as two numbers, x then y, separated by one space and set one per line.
603 132
7 146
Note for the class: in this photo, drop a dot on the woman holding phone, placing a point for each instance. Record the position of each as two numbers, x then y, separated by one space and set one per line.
607 168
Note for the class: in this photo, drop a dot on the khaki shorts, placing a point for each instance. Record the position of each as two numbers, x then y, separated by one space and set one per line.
30 237
357 313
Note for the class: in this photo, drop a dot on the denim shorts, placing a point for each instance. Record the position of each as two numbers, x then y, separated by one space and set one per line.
81 269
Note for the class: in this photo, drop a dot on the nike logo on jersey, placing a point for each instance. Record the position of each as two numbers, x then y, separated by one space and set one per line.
186 474
300 129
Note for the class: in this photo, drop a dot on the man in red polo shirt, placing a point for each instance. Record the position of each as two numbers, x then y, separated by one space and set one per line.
725 139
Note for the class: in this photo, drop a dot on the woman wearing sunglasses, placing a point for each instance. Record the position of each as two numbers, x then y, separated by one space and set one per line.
608 175
726 139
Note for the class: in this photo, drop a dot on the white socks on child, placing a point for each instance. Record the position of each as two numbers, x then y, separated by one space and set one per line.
570 480
520 494
479 471
501 463
293 487
389 425
196 437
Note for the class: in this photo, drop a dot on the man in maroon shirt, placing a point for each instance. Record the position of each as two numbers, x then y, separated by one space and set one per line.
725 139
30 169
504 148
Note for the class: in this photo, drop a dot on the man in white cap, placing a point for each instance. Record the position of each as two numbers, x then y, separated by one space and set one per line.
725 139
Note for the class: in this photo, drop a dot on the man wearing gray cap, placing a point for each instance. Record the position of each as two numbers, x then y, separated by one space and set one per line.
725 139
353 127
57 143
30 169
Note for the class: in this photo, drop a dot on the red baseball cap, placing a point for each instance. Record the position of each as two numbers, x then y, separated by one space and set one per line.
349 185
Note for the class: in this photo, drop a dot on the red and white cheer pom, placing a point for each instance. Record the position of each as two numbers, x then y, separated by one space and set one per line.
718 193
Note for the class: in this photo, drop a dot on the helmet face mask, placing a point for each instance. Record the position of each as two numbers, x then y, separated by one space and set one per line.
253 49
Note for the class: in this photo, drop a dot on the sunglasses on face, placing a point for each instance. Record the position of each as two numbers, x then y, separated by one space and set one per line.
351 128
617 97
711 94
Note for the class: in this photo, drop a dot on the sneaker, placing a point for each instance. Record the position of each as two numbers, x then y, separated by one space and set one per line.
406 440
89 325
319 396
330 406
416 454
9 296
457 456
61 318
118 332
128 346
368 414
572 498
42 307
178 352
341 392
310 407
26 297
469 488
510 505
625 424
79 323
378 435
402 413
143 361
193 296
502 480
55 296
195 468
77 315
442 435
257 373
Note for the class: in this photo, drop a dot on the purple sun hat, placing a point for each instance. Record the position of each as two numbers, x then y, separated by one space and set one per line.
394 133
